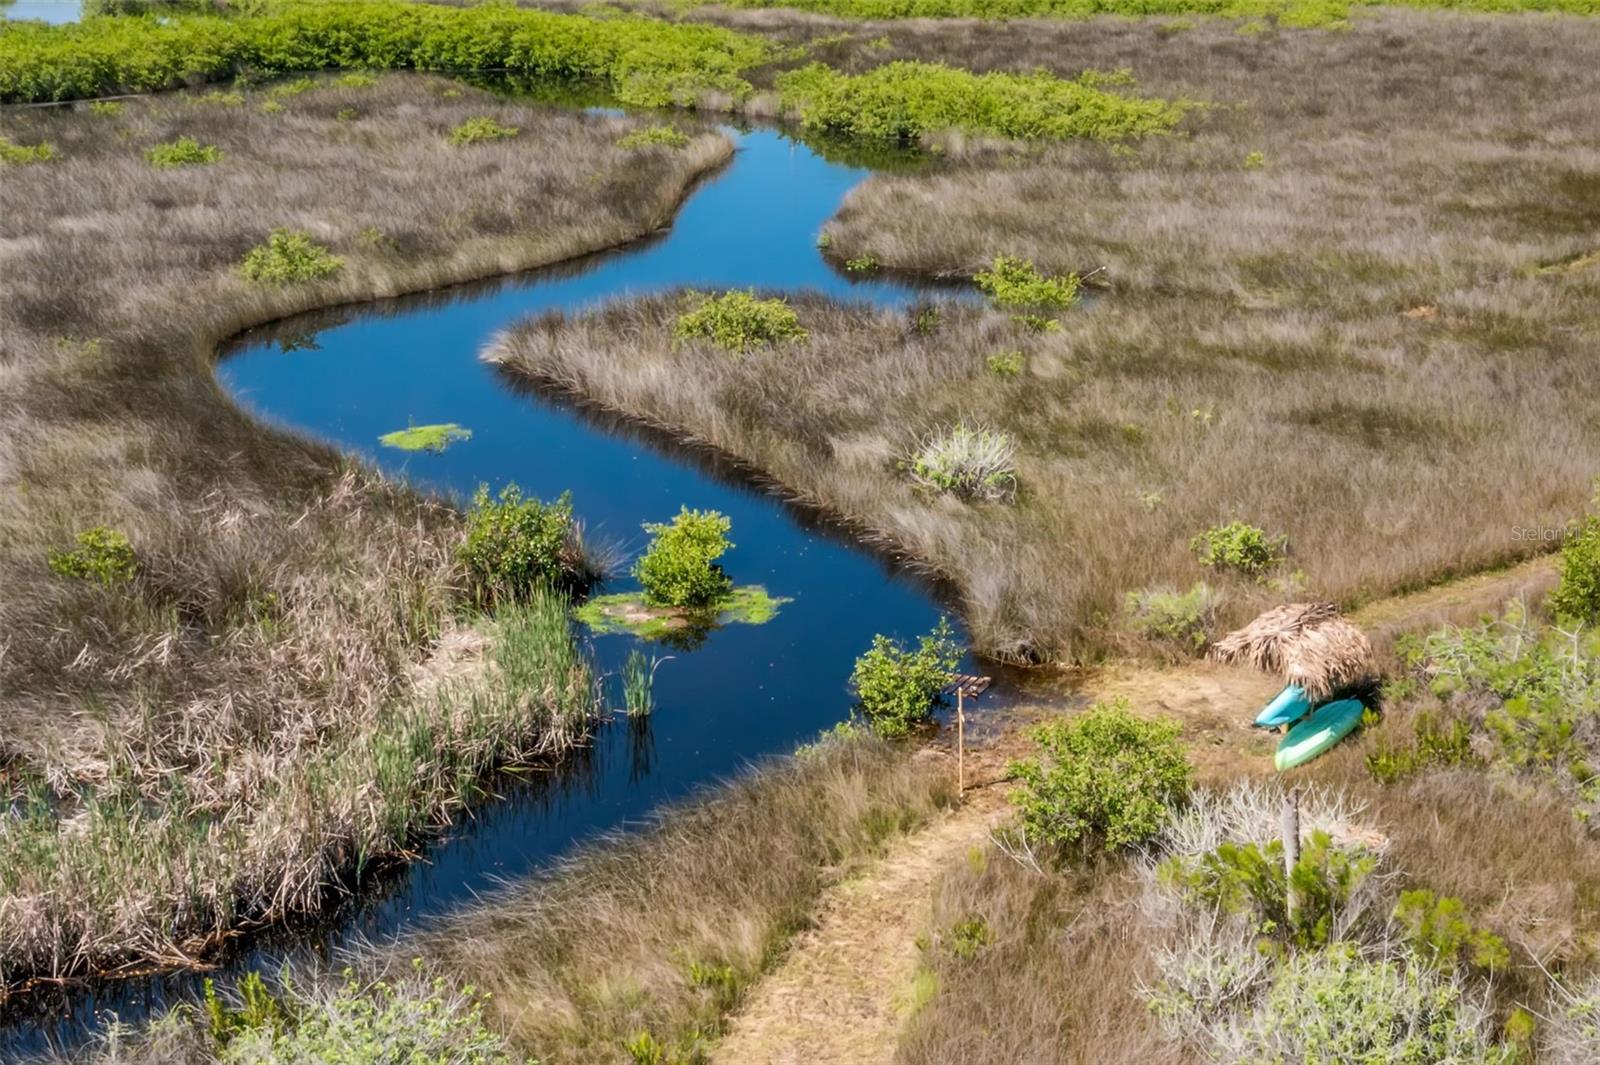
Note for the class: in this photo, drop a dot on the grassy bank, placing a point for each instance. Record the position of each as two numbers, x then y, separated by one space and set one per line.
211 705
638 947
1289 13
1315 309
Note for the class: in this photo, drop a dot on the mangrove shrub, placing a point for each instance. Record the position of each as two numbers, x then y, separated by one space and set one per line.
1107 779
1578 595
185 151
515 545
289 257
480 129
903 100
680 567
897 687
645 62
1238 546
738 321
102 555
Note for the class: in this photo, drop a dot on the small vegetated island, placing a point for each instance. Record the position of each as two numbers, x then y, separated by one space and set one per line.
1344 265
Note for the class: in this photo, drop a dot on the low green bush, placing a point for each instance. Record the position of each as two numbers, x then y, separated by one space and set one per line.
738 321
185 151
1437 931
289 257
968 461
680 567
1240 547
515 546
896 687
655 137
904 100
14 154
1249 879
1180 620
1108 779
1005 365
1333 1007
1578 595
645 62
356 79
1434 744
1016 284
481 129
102 555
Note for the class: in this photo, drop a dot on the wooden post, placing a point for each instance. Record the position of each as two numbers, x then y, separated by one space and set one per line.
1289 828
961 740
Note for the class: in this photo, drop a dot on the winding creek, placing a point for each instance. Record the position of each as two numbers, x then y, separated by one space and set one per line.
353 374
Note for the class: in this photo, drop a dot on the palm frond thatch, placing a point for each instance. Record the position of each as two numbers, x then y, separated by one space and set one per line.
1309 644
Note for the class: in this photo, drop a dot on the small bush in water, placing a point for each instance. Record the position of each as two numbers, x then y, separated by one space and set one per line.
1108 778
478 130
102 555
655 137
737 321
185 151
680 568
1578 595
516 545
896 687
971 462
289 257
1240 547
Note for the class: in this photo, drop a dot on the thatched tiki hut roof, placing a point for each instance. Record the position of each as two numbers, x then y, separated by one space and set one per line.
1309 644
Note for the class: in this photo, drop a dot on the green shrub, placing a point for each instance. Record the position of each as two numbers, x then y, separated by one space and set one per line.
481 129
1180 619
1578 595
903 100
968 461
105 108
1240 547
1246 878
925 321
356 79
896 687
13 154
1108 779
1016 284
293 87
645 62
515 546
680 567
1437 931
185 151
655 137
289 257
862 264
1333 1007
1434 744
737 321
1005 364
102 555
382 1023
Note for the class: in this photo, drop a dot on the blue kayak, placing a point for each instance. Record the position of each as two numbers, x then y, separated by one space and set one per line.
1330 723
1289 706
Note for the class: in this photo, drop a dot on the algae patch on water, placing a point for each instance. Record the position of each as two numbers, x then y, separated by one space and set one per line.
631 612
432 438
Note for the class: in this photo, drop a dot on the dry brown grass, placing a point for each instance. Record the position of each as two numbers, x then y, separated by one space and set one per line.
662 931
283 598
1352 344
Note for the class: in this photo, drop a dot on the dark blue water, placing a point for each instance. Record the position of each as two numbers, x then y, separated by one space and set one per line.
747 691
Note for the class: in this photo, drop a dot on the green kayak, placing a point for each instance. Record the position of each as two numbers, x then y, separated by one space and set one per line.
1327 725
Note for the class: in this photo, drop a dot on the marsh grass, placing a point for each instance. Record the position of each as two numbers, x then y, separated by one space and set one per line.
1250 353
654 937
256 713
